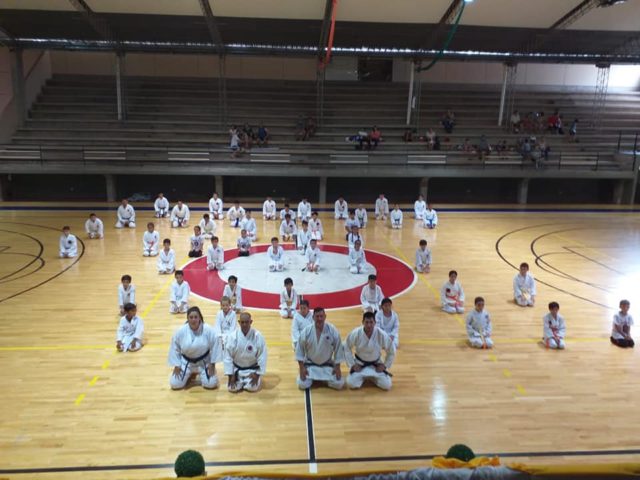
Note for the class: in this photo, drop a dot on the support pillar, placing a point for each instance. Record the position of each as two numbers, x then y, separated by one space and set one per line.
222 94
507 94
17 82
111 188
410 97
2 180
119 86
523 191
322 194
218 185
619 191
424 188
320 75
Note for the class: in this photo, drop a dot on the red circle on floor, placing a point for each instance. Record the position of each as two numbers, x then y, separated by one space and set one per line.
394 277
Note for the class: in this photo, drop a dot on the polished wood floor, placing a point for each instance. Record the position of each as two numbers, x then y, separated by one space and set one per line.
70 401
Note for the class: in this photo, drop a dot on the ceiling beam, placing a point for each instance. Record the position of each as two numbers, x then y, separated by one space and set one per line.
326 26
447 18
97 22
212 25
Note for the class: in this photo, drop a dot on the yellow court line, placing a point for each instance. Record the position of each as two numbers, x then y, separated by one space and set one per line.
520 389
506 372
79 399
93 381
105 365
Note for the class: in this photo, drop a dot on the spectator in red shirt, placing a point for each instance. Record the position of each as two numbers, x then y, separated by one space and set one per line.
375 137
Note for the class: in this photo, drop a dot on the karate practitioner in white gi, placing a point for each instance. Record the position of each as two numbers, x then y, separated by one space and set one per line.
341 209
94 227
363 353
68 243
161 206
275 254
248 223
195 348
288 229
371 295
430 219
423 258
288 299
225 319
215 255
313 257
130 330
387 320
362 216
382 207
150 241
554 328
357 258
319 353
419 208
126 215
287 211
524 287
126 293
315 225
233 292
179 296
216 207
301 319
180 215
303 237
304 210
245 357
207 226
166 258
479 325
269 209
396 216
452 294
235 215
353 237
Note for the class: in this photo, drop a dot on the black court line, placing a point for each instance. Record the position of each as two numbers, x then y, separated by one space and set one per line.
35 257
259 463
586 257
76 260
504 259
311 436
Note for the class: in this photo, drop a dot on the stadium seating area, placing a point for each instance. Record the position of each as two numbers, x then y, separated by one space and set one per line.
166 115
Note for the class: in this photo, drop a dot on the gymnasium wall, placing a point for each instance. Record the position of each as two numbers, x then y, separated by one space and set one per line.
623 77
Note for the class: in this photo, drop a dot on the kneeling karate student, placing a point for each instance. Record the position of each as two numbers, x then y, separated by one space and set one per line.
207 226
94 227
150 241
245 357
313 257
452 294
368 341
180 215
167 258
161 206
319 353
357 258
215 255
68 243
130 330
275 254
195 348
524 287
396 216
479 325
553 328
126 215
179 297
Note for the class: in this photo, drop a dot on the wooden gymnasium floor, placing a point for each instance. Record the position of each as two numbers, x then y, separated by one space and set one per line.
71 404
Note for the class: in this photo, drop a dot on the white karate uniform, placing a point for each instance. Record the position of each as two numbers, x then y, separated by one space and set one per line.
524 289
208 229
320 356
216 208
341 210
215 257
130 332
94 229
396 218
288 230
68 246
479 327
389 325
235 216
317 231
166 261
352 238
180 217
313 256
197 243
362 216
351 222
452 297
284 212
304 211
126 296
423 259
245 355
179 297
249 224
430 219
243 244
161 206
298 324
126 215
150 243
382 208
225 324
371 299
620 321
269 210
234 295
193 352
552 329
419 209
357 261
302 240
288 302
369 350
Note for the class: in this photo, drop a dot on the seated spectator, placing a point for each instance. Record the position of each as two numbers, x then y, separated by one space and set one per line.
361 138
301 131
247 135
501 146
263 136
515 122
544 148
539 122
560 125
483 147
234 144
245 140
573 131
554 123
375 137
448 121
407 136
466 146
430 138
525 150
310 127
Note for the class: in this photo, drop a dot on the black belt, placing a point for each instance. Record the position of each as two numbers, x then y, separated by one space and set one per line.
238 368
194 361
328 363
375 363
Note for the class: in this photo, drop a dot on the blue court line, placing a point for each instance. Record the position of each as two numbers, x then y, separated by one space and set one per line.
440 209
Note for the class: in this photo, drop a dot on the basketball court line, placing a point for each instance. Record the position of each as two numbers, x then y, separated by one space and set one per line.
268 462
